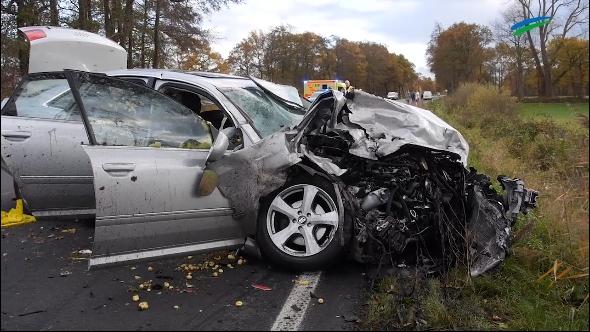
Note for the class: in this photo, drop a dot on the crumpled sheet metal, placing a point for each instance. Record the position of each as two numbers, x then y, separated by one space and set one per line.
489 231
393 124
324 163
258 170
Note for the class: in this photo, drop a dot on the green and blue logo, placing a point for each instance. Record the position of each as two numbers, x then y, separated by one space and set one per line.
529 24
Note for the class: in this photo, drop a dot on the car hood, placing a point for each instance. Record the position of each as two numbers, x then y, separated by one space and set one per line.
381 126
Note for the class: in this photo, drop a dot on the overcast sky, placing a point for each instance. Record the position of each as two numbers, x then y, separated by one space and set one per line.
403 26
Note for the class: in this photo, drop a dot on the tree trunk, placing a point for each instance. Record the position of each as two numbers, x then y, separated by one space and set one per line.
128 31
538 67
547 81
117 16
143 31
156 60
82 14
53 13
108 20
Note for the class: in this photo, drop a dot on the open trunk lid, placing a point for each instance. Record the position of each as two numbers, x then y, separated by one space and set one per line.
55 49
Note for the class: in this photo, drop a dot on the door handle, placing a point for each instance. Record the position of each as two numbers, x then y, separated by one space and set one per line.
118 167
16 135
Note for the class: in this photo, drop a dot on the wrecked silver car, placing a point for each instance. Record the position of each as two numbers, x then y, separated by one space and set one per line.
358 174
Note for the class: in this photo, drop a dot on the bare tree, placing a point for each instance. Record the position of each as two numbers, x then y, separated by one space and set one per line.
566 16
503 34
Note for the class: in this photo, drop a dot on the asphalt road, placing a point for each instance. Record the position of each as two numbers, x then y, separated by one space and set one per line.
46 286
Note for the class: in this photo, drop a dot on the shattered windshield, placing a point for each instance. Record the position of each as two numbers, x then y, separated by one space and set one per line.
267 115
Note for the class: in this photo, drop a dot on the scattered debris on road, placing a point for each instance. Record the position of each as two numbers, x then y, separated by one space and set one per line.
262 287
69 230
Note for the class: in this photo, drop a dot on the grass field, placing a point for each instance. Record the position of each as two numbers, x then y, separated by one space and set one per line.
557 111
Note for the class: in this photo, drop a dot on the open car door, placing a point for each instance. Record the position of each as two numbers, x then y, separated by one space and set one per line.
148 153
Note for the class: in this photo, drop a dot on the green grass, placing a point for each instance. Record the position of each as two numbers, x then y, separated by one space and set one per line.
560 112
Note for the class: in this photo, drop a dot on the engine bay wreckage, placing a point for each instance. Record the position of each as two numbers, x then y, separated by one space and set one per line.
400 175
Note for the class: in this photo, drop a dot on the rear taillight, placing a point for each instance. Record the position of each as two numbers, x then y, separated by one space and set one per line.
35 34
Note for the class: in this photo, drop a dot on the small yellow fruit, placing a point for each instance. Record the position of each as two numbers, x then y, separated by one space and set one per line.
135 298
150 269
189 276
240 261
143 306
220 270
215 274
231 257
321 301
239 303
166 285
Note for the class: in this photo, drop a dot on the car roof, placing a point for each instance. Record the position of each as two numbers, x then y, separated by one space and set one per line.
217 80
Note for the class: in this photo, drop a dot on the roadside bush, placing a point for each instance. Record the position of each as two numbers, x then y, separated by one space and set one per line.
481 105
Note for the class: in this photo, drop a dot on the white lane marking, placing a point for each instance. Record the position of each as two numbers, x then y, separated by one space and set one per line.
293 311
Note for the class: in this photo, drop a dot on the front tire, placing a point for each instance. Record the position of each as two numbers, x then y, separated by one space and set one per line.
298 225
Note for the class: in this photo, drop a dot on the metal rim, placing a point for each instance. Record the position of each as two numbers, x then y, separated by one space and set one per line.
302 220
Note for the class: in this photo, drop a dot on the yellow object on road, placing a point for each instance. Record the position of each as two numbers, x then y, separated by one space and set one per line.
15 216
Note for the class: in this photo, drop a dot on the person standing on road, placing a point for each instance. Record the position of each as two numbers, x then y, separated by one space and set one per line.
413 97
349 90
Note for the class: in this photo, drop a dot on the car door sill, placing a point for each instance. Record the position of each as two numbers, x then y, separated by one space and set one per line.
62 179
162 216
163 252
59 213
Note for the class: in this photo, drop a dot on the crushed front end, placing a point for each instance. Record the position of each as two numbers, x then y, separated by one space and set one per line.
409 196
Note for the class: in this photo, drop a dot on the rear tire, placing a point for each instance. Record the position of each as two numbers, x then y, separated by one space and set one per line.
298 225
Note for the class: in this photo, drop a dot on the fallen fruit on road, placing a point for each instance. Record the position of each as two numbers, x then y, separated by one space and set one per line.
135 298
321 301
143 306
239 303
150 269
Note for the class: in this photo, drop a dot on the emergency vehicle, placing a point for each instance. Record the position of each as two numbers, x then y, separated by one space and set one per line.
311 86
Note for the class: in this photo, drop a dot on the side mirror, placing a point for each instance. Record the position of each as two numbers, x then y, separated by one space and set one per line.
221 143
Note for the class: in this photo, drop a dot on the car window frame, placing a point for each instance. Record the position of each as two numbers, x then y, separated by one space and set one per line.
19 87
74 83
201 91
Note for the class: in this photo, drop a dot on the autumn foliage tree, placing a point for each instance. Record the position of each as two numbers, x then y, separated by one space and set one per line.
283 56
457 54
